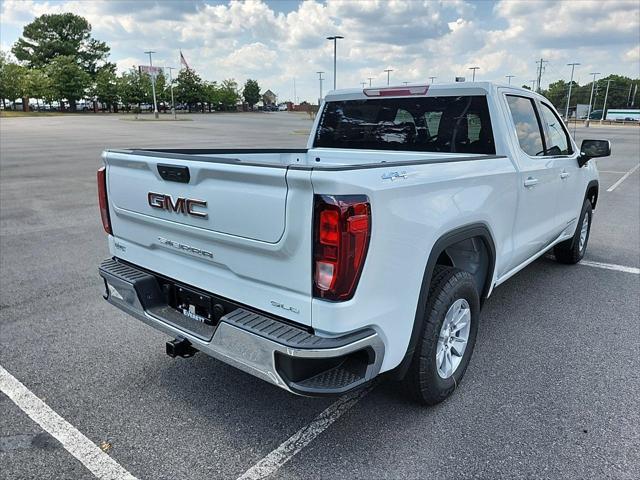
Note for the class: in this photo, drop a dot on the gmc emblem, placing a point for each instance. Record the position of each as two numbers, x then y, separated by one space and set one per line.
186 206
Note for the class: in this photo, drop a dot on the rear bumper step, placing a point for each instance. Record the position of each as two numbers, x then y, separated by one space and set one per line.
266 347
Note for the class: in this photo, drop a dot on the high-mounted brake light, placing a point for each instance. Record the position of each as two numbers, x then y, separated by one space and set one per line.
342 228
408 91
102 200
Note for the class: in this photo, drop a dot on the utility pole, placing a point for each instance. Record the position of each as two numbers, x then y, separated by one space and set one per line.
173 105
335 39
153 84
566 112
371 78
473 79
586 123
541 62
509 77
604 107
294 90
320 79
629 96
432 79
388 70
533 84
633 99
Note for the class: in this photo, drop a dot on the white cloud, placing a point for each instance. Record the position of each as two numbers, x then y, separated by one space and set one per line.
417 38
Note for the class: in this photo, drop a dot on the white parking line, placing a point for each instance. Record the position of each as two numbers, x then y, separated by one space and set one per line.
88 453
610 266
622 179
281 455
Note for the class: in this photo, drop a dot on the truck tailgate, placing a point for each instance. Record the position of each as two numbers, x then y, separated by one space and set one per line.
245 236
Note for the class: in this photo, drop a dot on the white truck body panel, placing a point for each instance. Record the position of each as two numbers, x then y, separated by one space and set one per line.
259 231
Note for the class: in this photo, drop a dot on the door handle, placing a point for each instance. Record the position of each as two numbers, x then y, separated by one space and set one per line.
564 174
531 182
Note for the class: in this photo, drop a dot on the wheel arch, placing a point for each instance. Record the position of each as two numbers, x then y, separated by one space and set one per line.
591 193
437 255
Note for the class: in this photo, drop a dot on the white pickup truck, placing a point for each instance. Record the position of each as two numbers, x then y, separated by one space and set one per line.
370 251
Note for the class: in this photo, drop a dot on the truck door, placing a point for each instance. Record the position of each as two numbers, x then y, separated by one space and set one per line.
561 151
538 181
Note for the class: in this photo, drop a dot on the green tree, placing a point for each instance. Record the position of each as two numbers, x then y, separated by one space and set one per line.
211 95
60 35
189 87
68 80
251 92
229 95
12 81
130 88
106 88
38 85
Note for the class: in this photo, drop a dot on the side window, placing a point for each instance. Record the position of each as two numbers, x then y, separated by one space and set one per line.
557 140
402 116
527 125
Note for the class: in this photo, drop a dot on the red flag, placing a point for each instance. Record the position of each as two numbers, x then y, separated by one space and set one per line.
183 61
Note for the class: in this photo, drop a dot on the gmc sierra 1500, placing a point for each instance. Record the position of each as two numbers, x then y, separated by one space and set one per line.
370 251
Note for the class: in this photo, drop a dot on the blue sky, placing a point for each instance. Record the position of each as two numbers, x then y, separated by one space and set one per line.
277 41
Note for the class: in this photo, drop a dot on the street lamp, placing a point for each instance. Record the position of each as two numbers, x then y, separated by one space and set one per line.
153 84
388 70
371 78
173 103
509 77
432 79
320 79
473 79
586 123
566 112
335 39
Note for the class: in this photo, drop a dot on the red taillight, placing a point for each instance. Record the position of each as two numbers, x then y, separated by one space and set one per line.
342 227
102 200
408 91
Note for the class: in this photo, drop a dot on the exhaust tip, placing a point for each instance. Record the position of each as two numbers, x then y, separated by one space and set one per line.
180 347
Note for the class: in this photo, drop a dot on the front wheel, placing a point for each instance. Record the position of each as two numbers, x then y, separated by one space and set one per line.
571 251
448 336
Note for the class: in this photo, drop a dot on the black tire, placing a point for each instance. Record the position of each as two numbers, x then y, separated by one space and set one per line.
570 251
422 381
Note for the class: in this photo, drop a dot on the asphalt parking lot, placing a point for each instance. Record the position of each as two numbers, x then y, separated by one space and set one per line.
553 389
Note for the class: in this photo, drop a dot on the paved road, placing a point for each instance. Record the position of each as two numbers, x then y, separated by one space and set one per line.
552 390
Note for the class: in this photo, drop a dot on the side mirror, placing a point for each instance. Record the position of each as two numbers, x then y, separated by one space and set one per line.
593 149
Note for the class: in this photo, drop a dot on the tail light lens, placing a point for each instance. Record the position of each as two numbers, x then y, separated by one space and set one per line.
102 200
342 228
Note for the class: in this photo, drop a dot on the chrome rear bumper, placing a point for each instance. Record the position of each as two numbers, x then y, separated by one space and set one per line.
266 347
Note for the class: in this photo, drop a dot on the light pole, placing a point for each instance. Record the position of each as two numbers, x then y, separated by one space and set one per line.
153 84
604 107
371 78
173 104
320 79
473 79
509 77
586 123
388 70
432 79
566 112
405 83
363 84
335 39
533 84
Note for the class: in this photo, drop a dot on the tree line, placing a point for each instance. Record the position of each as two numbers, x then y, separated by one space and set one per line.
58 59
622 93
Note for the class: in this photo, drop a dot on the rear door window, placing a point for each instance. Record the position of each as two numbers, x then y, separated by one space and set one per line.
528 129
426 124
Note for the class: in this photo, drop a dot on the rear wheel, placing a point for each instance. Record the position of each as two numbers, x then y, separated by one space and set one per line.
448 336
571 251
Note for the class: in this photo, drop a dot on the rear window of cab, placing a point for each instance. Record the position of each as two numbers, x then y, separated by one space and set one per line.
427 124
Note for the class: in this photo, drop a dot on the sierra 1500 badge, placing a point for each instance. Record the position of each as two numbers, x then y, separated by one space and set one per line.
186 206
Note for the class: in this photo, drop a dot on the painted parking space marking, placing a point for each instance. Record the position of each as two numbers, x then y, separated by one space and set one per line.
610 266
289 448
78 445
623 178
